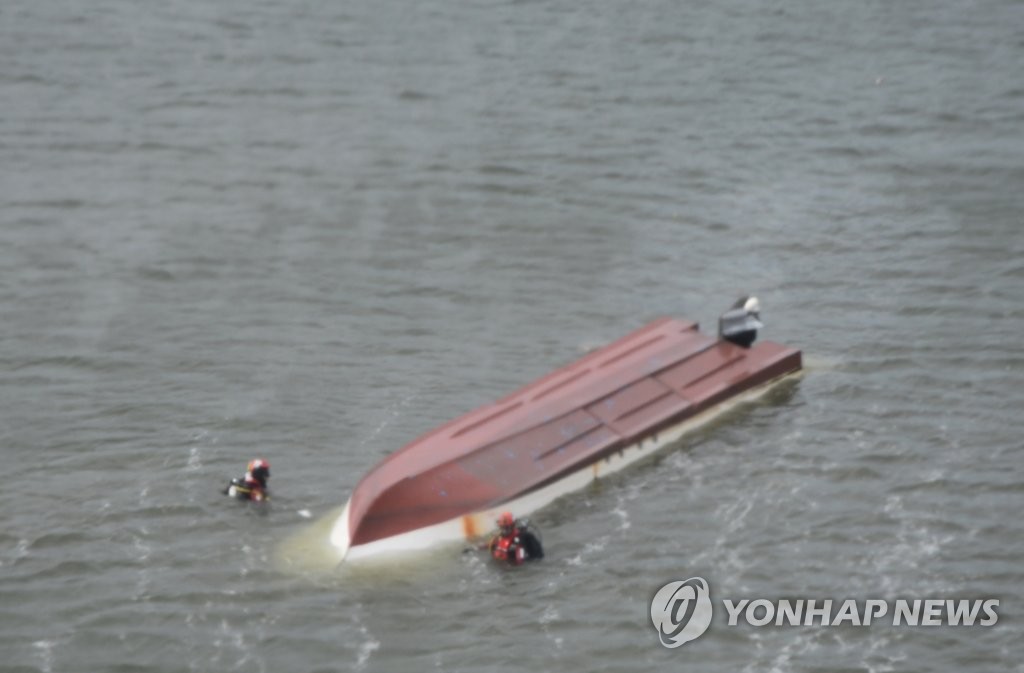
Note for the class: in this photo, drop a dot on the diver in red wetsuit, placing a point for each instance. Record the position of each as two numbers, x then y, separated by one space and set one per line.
253 486
515 542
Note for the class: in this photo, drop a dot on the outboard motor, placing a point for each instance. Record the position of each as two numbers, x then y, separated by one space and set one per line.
740 323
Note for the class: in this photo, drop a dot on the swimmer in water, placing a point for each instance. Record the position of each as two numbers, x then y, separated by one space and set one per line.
253 486
515 542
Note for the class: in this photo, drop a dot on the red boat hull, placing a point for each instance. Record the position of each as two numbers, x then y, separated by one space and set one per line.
654 379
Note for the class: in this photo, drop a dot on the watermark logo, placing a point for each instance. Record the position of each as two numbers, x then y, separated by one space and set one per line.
851 612
681 611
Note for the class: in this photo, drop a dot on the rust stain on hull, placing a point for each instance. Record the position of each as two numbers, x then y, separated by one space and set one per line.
469 527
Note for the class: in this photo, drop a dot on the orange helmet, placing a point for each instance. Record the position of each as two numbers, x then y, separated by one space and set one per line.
258 463
259 469
506 520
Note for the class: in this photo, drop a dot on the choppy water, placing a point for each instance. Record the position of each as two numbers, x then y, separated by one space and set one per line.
313 230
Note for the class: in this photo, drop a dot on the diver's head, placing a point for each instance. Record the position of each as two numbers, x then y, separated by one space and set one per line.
259 470
506 521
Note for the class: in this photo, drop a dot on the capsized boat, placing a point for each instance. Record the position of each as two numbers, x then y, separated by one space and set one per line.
610 408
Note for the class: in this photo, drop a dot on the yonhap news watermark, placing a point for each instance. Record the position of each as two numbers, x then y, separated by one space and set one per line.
682 610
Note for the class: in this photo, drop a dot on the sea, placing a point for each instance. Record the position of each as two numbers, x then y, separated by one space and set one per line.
311 231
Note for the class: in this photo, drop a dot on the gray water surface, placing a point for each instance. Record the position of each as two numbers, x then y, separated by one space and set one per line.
312 231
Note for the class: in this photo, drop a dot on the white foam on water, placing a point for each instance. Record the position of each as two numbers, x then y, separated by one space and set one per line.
915 547
308 549
550 616
20 551
195 461
621 512
143 552
734 514
589 549
230 641
367 646
44 648
818 363
479 571
143 549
